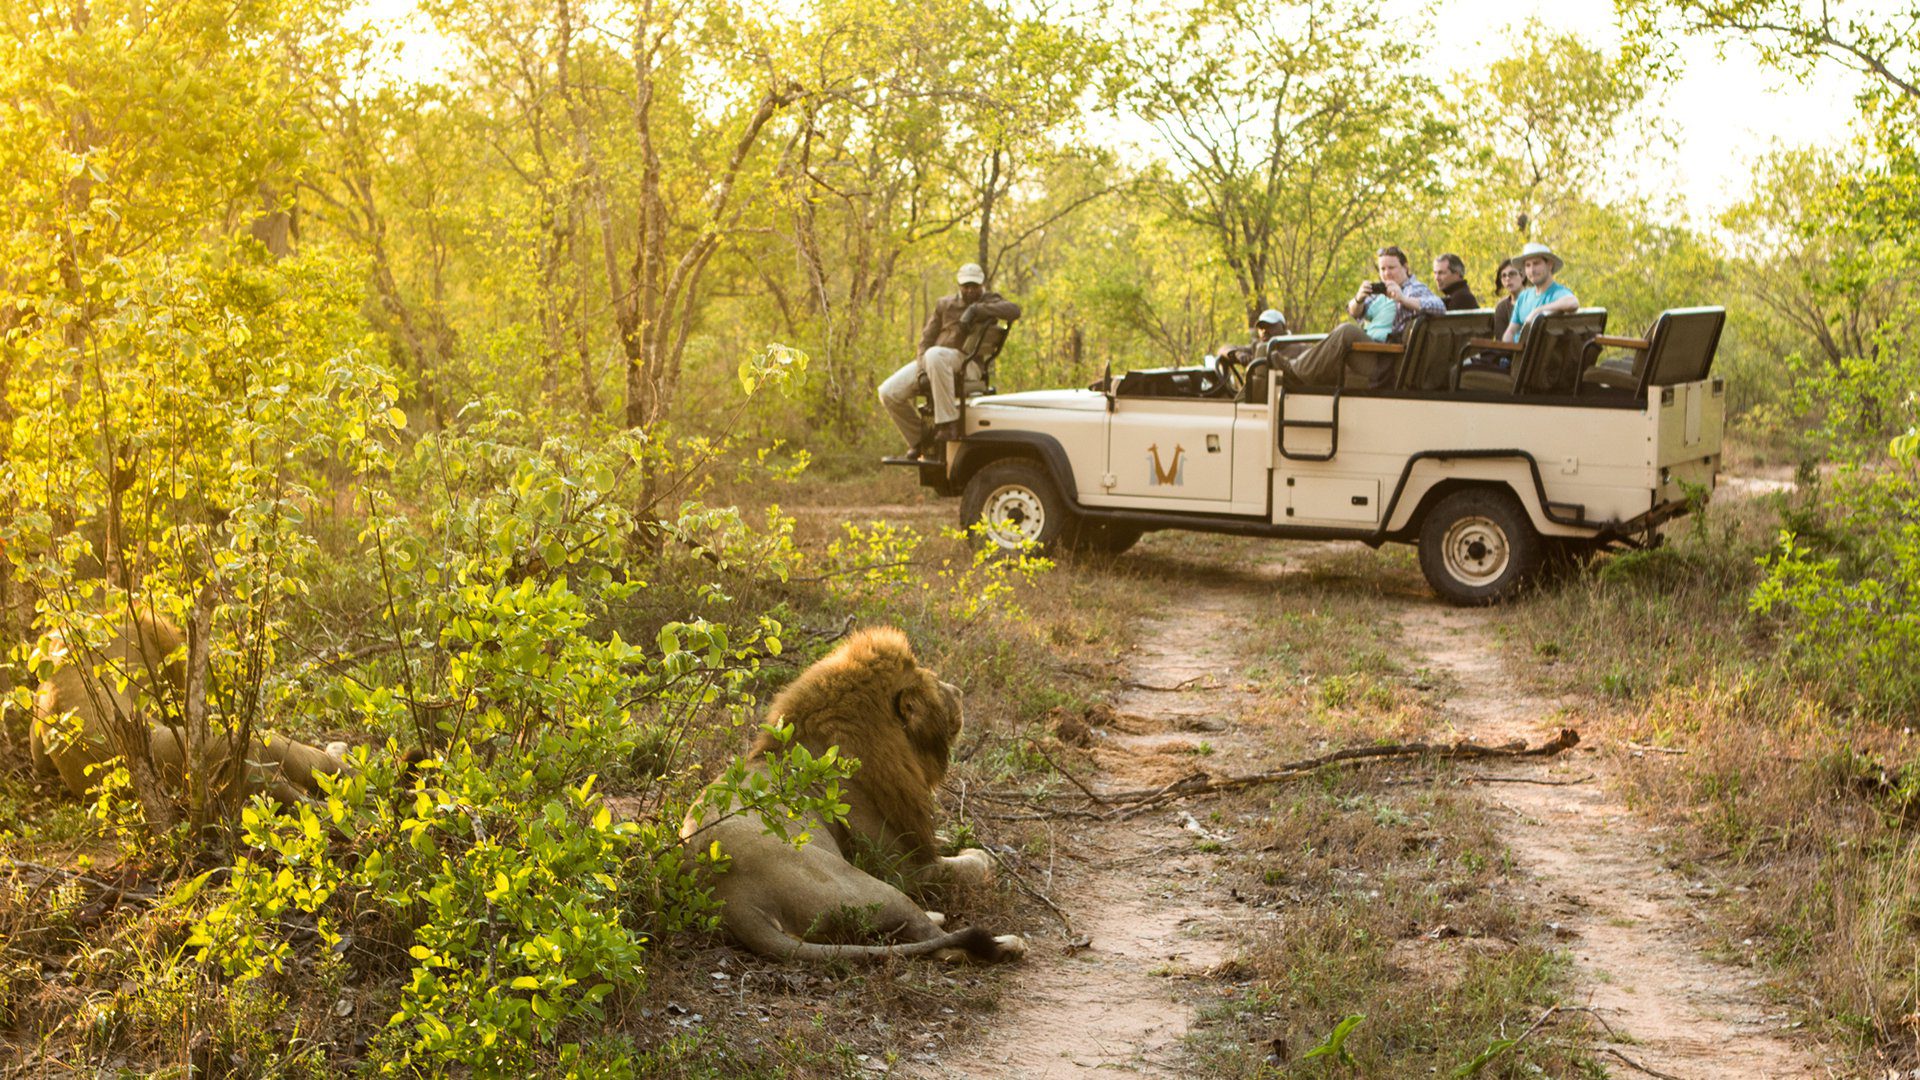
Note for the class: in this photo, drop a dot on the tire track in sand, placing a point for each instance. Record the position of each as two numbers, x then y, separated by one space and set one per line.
1627 922
1148 904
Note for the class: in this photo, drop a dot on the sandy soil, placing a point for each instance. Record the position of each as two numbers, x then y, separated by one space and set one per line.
1627 921
1146 909
1146 904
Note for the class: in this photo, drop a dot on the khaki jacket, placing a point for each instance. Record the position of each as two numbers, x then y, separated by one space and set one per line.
944 327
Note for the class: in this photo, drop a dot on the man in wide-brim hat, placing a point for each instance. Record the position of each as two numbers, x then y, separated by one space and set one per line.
1542 294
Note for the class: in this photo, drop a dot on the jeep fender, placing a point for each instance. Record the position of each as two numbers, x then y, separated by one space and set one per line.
982 448
1430 479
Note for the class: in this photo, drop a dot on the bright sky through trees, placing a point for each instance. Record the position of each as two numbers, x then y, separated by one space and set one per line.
1726 111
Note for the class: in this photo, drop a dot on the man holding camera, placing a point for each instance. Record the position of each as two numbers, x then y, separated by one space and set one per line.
1381 311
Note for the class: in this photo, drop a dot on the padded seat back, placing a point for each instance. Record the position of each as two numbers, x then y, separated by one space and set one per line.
1680 348
1682 345
1284 347
1435 343
980 349
1554 349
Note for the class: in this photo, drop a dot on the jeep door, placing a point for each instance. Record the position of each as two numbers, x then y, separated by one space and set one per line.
1179 449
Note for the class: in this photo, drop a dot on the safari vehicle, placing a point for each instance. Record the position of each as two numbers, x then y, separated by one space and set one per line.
1583 441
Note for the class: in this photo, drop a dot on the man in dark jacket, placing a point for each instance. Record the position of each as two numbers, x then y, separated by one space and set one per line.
945 343
1450 275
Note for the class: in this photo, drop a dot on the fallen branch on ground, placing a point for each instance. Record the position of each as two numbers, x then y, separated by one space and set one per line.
1020 880
1174 689
1632 1064
1072 779
1526 780
1129 803
46 873
1655 749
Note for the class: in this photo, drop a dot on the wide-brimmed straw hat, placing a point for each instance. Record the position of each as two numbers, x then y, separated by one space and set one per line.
971 274
1532 250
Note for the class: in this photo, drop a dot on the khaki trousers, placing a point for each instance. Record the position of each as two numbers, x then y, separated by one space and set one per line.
897 393
1326 362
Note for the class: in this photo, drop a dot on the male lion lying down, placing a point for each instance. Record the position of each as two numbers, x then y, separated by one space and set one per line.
874 701
129 668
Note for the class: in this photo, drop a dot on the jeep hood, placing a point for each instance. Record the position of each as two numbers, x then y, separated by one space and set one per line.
1076 400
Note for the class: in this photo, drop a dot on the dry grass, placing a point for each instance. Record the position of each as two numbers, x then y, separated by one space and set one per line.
1385 893
1800 818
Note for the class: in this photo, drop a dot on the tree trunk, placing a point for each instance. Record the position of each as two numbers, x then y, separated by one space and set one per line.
202 760
986 209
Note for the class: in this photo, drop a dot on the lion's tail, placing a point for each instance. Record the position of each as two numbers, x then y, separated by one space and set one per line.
769 940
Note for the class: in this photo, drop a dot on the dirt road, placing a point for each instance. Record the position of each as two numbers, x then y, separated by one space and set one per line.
1154 917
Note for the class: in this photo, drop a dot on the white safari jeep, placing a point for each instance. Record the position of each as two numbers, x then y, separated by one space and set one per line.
1579 441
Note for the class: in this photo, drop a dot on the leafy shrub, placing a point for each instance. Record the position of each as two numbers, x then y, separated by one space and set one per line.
1843 584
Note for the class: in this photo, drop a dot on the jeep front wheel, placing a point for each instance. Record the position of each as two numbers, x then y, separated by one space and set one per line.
1477 547
1018 503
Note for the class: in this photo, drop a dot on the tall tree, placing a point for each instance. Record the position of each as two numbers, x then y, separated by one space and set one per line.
1549 119
1293 129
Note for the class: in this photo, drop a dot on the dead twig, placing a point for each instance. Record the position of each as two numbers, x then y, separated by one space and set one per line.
1057 767
1174 689
1526 780
1636 1066
1199 783
1655 749
94 883
1486 1059
1015 876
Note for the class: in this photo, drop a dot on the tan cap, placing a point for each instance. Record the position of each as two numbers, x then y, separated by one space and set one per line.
971 274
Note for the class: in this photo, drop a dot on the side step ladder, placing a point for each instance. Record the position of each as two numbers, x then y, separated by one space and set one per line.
1330 426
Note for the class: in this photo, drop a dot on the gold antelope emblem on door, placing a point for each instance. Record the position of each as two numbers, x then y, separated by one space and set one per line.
1173 474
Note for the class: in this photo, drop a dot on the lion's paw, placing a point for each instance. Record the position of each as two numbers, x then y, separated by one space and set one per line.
1012 946
972 865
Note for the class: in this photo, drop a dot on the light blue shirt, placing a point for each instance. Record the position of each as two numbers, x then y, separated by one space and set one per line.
1384 317
1531 300
1379 321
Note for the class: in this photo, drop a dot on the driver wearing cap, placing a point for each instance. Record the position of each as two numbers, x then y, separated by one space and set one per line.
1271 324
941 340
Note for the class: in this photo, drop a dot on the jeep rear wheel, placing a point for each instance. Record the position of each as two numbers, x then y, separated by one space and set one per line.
1477 547
1018 503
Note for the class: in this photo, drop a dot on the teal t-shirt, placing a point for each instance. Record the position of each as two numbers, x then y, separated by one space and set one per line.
1531 300
1379 321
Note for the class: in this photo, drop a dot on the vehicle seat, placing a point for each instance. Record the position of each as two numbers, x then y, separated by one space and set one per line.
975 375
1436 342
1551 353
1284 347
1678 348
1559 352
973 378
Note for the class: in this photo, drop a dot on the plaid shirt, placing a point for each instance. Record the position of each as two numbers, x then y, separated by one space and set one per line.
1429 305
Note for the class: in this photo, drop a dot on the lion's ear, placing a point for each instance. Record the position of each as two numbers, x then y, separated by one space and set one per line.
910 706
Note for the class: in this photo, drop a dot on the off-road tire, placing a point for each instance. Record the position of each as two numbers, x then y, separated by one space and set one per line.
1018 500
1477 547
1104 538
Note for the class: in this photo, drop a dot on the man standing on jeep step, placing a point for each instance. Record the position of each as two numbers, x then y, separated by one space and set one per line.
943 342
